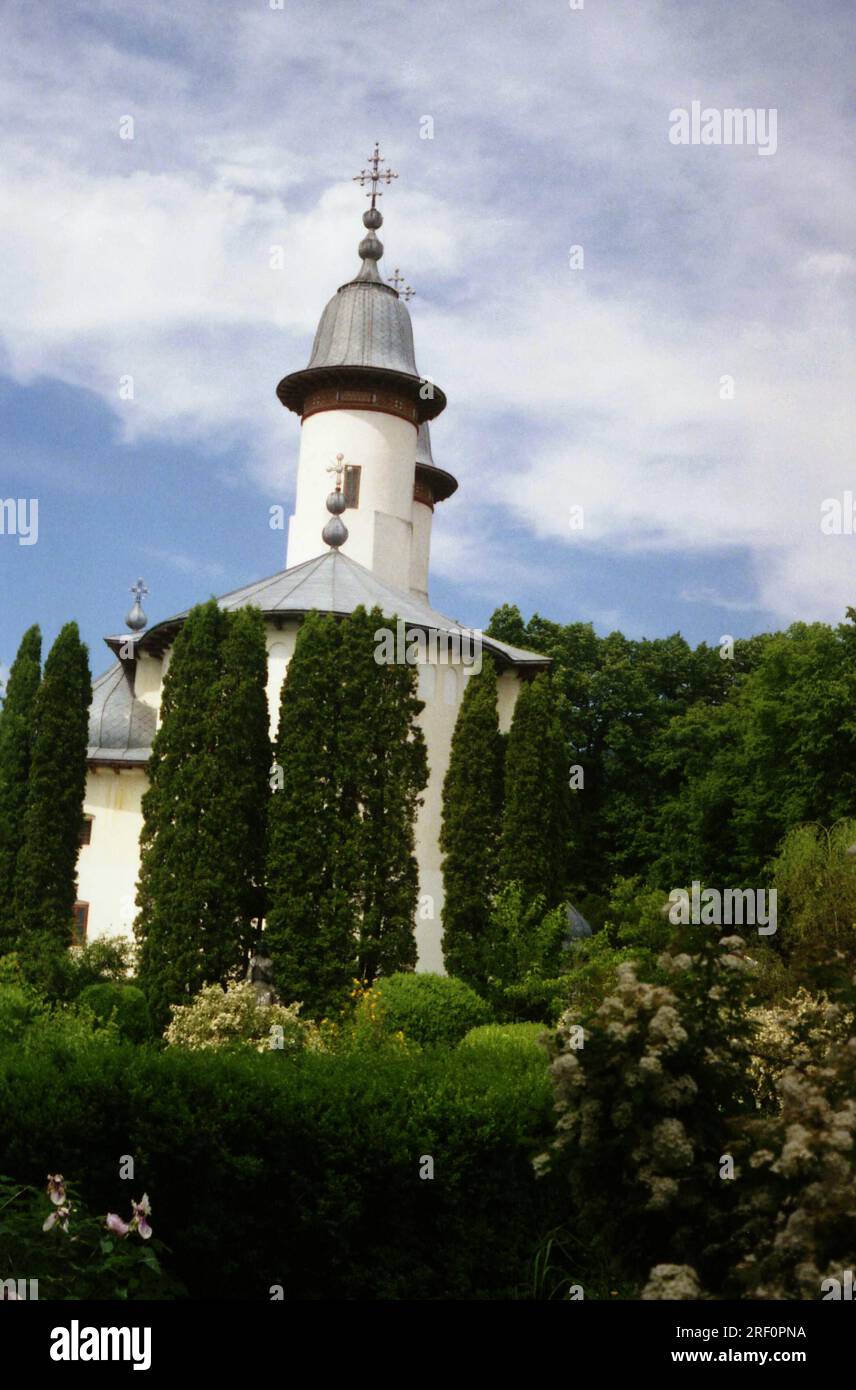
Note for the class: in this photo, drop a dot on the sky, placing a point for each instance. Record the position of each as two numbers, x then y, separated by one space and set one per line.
652 339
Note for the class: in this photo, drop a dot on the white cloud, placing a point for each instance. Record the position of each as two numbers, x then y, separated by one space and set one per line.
151 258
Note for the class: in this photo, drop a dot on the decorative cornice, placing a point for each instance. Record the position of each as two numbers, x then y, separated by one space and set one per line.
365 397
422 493
436 481
295 390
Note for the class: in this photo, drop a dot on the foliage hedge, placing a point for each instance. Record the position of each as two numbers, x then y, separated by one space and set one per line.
125 1004
266 1169
430 1009
500 1037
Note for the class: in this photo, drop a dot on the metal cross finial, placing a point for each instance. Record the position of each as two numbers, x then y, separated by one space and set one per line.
374 175
338 468
139 590
397 280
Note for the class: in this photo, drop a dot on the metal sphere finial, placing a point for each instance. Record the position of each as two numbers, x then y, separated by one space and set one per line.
335 532
136 620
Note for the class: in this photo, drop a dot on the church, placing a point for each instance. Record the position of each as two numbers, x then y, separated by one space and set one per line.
364 411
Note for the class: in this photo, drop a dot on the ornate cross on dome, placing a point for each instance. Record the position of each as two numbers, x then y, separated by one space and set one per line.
374 174
139 590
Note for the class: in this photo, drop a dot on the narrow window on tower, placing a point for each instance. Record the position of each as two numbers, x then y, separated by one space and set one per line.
81 919
352 485
86 831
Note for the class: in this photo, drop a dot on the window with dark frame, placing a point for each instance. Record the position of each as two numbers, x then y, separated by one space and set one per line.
81 920
86 831
352 485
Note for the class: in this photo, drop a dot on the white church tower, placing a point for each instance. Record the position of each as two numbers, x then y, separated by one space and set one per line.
364 410
362 397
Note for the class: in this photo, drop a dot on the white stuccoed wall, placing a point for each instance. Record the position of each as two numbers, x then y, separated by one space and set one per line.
420 549
379 530
108 867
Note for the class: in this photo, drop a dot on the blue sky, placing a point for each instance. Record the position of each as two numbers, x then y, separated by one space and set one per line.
597 387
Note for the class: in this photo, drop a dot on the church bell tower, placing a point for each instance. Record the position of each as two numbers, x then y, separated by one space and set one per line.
362 397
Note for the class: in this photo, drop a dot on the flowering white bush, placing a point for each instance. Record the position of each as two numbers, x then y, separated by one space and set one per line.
797 1208
792 1033
643 1095
235 1017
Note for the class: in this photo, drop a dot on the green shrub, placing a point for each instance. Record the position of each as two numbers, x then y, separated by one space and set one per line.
302 1171
61 976
429 1009
500 1037
18 1008
125 1004
533 1000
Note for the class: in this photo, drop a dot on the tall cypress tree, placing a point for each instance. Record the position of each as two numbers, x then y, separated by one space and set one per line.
16 743
310 929
469 835
384 766
205 809
242 755
46 876
535 821
342 874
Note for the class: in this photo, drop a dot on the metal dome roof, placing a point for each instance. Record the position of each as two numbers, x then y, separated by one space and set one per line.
121 727
364 331
365 324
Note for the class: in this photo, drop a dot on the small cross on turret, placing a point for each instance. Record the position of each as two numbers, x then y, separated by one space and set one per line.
338 468
397 280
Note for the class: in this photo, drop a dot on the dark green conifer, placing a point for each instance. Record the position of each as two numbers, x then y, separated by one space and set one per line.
16 743
469 836
383 766
179 895
46 871
240 735
534 838
310 930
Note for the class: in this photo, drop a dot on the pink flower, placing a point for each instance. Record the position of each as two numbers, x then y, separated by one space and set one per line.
139 1211
56 1188
58 1217
142 1209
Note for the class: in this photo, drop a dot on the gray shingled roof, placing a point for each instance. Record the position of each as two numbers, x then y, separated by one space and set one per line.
334 583
121 727
365 325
